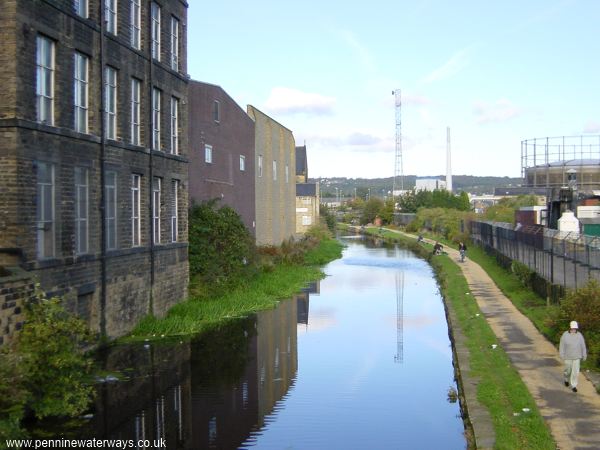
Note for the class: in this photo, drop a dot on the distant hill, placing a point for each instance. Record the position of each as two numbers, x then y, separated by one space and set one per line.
382 186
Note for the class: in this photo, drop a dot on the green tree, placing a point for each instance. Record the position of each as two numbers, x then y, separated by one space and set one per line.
504 210
373 208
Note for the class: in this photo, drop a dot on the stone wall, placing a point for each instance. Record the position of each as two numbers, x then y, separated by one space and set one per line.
16 287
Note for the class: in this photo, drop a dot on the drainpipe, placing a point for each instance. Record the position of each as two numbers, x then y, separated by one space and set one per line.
150 158
102 173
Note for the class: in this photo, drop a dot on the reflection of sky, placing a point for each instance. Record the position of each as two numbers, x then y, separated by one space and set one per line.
349 392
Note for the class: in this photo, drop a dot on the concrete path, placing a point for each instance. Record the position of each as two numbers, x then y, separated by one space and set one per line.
573 418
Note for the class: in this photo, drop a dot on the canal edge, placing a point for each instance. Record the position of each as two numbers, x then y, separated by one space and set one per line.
479 428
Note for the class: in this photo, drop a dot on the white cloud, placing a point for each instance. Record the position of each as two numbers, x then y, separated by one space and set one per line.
592 127
455 64
501 111
293 101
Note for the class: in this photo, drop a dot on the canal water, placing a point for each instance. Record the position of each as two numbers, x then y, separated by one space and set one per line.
359 360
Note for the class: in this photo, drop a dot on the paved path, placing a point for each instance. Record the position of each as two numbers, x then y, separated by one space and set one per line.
573 418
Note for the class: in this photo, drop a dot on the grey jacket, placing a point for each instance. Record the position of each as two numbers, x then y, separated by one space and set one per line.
572 346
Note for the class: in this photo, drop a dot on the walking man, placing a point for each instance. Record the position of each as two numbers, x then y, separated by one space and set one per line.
572 351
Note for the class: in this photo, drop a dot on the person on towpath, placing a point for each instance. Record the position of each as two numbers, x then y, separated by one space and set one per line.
572 351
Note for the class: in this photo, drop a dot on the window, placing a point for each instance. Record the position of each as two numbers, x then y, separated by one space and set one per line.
287 173
216 111
110 207
242 163
110 13
174 43
156 209
81 82
274 170
45 80
260 165
135 210
135 21
155 11
81 8
111 102
81 210
45 210
208 154
156 119
174 206
306 220
174 126
135 111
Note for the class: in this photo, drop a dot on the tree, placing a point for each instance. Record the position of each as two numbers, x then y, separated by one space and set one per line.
372 209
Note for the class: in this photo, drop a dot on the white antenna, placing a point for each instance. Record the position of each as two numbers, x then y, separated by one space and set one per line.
448 162
398 169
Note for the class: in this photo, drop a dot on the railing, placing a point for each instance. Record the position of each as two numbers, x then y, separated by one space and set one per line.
565 259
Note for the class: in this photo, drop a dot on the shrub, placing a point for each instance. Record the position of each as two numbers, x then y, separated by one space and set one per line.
582 305
523 273
220 244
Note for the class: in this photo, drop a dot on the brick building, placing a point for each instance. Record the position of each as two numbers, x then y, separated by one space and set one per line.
221 137
307 194
275 177
93 153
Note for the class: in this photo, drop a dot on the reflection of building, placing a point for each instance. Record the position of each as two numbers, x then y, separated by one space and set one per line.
303 301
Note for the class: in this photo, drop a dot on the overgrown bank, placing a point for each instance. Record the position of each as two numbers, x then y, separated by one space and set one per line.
499 387
230 277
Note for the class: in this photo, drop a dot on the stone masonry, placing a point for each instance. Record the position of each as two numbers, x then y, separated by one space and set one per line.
69 212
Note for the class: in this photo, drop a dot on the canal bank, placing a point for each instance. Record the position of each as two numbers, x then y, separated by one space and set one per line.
570 417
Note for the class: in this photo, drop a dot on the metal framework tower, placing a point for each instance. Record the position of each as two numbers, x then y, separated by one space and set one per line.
398 169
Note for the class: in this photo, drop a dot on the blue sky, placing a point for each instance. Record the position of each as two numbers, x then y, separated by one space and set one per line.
494 72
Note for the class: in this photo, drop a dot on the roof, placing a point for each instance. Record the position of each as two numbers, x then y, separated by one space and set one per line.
306 189
301 161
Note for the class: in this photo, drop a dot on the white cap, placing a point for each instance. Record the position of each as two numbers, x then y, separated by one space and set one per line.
573 324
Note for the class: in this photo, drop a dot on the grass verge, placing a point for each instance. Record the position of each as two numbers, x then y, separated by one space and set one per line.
500 388
262 291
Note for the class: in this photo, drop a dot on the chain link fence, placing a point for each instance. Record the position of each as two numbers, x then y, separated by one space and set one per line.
564 260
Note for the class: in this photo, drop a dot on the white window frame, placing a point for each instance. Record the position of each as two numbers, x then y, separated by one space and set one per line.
81 92
242 163
287 173
81 210
174 43
156 188
110 15
45 68
208 154
136 24
156 98
82 8
45 211
155 31
174 210
306 220
110 104
174 126
136 225
274 170
110 207
135 111
260 165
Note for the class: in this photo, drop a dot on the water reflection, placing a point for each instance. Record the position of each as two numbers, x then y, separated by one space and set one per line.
361 360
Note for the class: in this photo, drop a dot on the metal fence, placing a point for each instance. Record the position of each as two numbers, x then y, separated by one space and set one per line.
565 259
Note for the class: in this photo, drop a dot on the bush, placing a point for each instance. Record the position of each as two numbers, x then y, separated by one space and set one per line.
45 371
582 305
220 245
523 273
